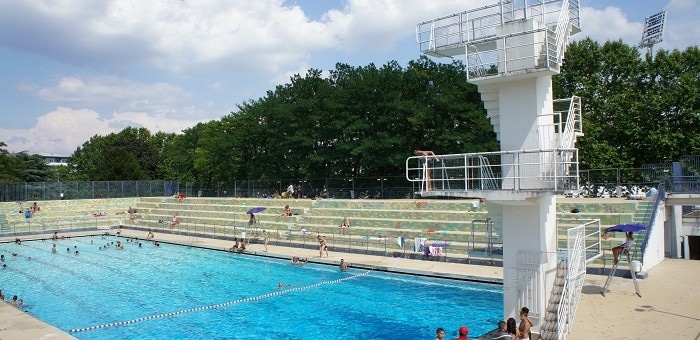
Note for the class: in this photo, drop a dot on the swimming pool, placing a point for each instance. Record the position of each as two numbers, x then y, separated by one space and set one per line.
177 292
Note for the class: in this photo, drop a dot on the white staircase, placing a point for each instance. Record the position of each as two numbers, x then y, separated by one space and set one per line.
549 327
490 98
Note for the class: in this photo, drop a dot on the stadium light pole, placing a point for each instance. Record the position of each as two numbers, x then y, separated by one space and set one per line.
653 31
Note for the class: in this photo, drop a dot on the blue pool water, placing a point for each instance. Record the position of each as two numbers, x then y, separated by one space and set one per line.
230 296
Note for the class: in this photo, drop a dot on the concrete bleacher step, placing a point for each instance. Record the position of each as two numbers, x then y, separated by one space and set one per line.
377 220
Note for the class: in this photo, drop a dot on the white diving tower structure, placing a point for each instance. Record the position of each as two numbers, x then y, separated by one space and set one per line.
512 48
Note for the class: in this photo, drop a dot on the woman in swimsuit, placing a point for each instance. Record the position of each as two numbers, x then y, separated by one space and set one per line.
629 240
512 327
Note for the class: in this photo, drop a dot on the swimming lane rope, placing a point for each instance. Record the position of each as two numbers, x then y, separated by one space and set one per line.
220 305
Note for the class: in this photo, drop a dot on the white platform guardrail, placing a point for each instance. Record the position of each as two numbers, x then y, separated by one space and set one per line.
535 170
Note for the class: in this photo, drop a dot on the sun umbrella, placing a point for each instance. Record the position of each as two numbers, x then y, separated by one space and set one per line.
255 210
626 227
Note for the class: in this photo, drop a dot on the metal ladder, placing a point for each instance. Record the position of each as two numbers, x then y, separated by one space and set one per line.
612 273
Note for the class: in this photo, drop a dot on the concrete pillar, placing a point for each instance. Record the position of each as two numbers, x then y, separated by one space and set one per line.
674 230
525 104
526 123
529 226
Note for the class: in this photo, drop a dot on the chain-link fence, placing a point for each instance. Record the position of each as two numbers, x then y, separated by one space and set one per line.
42 191
389 187
350 187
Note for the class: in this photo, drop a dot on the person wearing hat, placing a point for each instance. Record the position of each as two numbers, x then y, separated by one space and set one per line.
463 333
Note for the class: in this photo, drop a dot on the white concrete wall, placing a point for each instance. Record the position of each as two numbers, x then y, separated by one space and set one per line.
530 226
525 105
691 226
654 254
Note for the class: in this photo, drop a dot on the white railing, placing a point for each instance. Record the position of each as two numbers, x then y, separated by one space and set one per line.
537 170
562 30
573 123
540 46
575 275
65 224
530 282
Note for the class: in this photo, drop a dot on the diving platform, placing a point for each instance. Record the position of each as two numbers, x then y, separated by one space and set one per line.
508 37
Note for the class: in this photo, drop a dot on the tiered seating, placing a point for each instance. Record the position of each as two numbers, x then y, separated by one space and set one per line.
610 212
376 225
379 225
219 216
65 215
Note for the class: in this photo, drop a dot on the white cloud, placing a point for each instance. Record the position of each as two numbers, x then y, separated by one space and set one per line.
61 131
608 24
104 90
57 132
179 36
681 29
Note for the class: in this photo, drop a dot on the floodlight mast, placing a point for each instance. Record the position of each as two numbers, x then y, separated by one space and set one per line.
653 31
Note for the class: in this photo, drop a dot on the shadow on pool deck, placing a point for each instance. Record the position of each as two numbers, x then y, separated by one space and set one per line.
668 308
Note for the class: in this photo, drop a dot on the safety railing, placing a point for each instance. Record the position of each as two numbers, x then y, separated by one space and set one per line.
573 124
512 53
444 245
562 33
685 184
493 48
660 196
536 170
575 275
68 224
482 23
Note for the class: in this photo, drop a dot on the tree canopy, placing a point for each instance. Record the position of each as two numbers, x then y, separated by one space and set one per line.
636 109
363 121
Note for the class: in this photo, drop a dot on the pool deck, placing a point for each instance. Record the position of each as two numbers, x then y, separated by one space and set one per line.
668 308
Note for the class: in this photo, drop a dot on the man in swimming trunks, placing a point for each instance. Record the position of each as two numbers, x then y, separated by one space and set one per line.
525 324
322 246
502 334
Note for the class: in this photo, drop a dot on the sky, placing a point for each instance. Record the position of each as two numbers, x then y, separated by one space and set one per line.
72 69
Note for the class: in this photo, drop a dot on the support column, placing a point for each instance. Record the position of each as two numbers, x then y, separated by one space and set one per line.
674 230
525 122
529 253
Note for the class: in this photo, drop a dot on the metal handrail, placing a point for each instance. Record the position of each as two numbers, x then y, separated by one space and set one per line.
660 196
562 31
573 117
541 169
575 275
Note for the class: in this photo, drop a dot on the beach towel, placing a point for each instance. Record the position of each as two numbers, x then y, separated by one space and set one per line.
400 241
435 251
419 243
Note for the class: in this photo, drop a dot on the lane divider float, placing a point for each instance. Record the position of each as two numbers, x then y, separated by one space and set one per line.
219 305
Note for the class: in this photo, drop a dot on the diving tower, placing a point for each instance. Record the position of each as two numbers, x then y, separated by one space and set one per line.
512 48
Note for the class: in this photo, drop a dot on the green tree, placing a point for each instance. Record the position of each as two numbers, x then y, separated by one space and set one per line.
636 110
32 168
95 160
9 166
